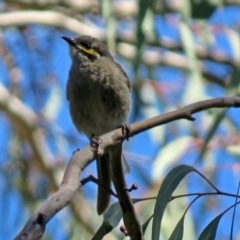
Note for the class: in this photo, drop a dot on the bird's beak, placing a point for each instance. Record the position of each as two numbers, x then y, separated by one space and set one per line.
69 41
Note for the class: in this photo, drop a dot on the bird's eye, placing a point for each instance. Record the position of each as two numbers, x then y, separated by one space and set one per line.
87 48
87 45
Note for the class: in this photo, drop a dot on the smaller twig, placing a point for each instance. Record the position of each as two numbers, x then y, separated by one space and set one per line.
91 178
77 150
133 187
204 194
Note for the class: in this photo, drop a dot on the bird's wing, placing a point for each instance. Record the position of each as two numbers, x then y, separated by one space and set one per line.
67 90
127 79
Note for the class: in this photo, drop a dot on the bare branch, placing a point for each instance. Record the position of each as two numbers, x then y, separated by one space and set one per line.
120 8
49 18
80 6
81 159
34 229
62 21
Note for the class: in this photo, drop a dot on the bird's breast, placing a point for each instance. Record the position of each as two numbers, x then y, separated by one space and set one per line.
97 103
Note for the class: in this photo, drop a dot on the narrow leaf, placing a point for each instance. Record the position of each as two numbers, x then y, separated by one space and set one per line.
209 232
111 219
168 186
145 225
177 233
234 213
211 132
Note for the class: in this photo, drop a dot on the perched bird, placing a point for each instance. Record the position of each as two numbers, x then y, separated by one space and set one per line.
98 91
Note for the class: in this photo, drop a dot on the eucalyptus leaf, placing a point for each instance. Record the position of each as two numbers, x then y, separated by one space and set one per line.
111 219
170 182
209 232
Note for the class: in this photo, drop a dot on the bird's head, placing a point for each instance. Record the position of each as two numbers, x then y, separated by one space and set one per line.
87 48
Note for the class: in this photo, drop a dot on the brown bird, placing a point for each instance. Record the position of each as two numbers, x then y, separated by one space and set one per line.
98 91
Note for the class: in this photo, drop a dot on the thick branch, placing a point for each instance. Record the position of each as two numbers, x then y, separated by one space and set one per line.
120 8
79 6
34 229
49 18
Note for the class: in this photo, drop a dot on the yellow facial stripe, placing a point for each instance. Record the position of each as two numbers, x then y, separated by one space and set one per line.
89 51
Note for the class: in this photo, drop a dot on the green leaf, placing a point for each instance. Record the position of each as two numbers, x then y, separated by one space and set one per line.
231 90
234 213
104 229
209 232
177 233
211 132
168 186
111 219
144 226
202 9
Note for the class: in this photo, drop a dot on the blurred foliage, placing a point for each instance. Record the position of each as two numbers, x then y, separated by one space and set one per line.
175 53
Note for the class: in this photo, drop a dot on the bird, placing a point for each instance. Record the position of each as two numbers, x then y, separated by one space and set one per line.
99 96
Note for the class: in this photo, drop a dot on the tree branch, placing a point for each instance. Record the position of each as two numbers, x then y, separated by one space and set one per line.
49 18
62 21
34 228
79 6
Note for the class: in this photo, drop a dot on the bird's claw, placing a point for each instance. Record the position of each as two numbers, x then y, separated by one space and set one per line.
126 130
95 143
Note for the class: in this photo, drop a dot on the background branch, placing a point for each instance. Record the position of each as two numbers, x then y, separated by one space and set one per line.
25 123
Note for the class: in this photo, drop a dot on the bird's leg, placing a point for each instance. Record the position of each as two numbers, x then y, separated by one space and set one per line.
95 143
126 130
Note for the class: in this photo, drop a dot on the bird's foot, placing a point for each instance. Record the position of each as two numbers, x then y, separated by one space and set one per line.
126 130
95 142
